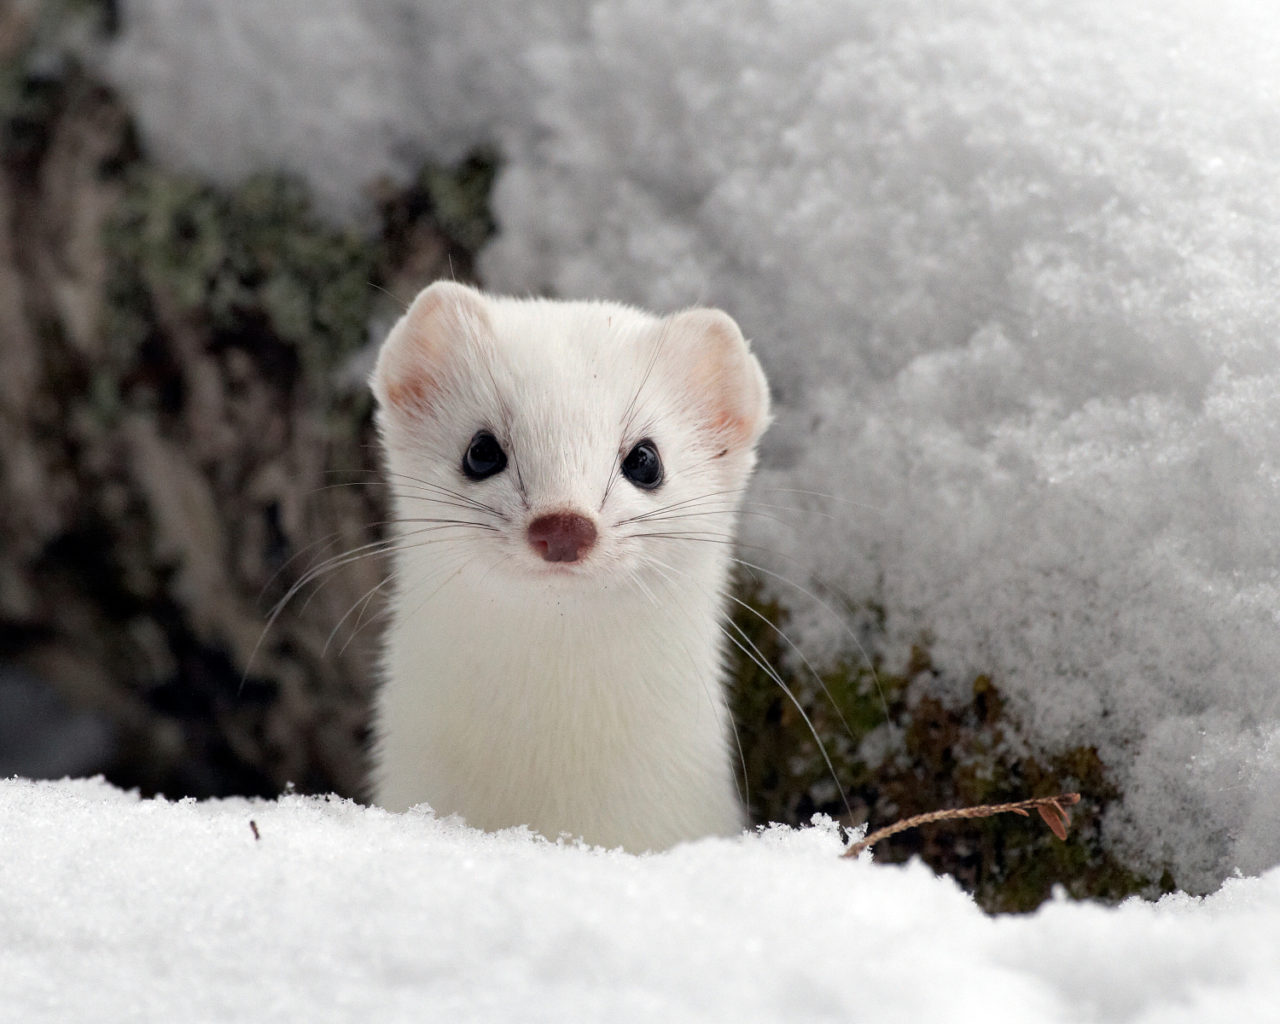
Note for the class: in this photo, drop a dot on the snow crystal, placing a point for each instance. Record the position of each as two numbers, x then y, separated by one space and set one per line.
1010 265
114 908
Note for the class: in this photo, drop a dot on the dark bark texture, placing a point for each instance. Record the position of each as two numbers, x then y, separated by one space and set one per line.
186 432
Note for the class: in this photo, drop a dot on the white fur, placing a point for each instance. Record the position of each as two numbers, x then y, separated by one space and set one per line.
586 698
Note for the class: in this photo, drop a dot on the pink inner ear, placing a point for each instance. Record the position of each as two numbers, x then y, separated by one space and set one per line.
410 395
729 424
413 360
723 376
409 385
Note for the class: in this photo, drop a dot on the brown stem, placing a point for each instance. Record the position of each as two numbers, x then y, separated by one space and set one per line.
1051 808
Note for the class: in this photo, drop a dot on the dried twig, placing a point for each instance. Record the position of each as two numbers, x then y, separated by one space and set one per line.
1052 809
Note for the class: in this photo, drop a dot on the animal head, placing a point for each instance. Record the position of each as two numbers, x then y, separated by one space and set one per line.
566 439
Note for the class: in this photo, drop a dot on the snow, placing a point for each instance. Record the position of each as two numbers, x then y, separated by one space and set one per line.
114 908
1010 265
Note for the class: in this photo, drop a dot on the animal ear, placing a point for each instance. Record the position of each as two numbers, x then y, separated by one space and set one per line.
411 363
721 378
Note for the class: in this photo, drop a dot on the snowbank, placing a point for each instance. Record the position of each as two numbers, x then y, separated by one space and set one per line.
114 908
1011 266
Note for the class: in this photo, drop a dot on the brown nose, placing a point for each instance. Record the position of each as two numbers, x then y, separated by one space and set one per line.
562 536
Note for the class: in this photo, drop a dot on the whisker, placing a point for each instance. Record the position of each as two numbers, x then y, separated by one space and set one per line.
404 308
677 505
749 508
879 509
362 603
710 538
726 539
630 413
761 662
744 790
642 584
374 481
805 661
400 483
320 544
426 486
875 676
449 572
385 546
709 513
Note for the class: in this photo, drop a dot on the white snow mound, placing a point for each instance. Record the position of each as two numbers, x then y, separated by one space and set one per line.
114 908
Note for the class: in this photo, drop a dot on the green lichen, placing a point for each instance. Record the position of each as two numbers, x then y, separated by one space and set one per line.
454 199
459 197
257 262
253 262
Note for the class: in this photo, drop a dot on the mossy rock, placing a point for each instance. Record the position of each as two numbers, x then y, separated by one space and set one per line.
254 263
188 349
809 755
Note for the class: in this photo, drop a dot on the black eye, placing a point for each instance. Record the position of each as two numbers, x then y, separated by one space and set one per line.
643 465
484 457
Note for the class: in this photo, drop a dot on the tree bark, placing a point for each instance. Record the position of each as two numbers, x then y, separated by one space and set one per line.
177 453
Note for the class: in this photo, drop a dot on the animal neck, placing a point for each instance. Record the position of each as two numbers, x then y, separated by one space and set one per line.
601 715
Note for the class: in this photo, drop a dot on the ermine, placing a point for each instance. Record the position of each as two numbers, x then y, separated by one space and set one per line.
566 480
